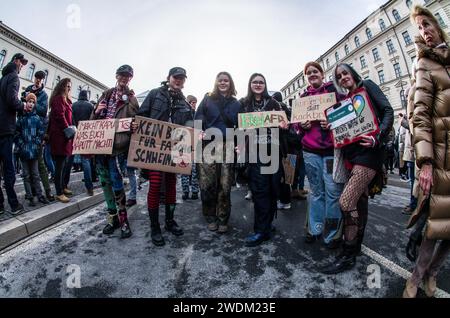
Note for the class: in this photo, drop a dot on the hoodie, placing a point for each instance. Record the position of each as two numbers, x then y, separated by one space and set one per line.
10 103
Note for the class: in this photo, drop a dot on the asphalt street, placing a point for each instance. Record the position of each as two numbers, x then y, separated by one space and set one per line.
74 258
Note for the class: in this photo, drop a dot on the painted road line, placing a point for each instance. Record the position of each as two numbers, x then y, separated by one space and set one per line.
396 269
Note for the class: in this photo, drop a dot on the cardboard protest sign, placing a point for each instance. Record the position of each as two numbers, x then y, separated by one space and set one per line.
95 137
289 165
262 119
124 125
161 146
352 118
312 107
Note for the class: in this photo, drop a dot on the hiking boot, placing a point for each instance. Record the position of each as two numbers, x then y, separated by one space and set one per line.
157 238
17 209
171 225
43 200
113 224
62 198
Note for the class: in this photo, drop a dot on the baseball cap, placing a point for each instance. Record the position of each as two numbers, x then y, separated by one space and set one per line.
21 57
177 71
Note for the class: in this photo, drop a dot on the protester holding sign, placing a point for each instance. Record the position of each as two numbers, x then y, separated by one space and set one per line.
365 160
324 213
116 103
218 110
60 143
166 104
265 187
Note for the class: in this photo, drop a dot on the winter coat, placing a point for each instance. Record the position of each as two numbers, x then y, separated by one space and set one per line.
29 133
60 119
82 109
10 103
316 140
125 109
160 105
356 154
42 101
209 113
431 131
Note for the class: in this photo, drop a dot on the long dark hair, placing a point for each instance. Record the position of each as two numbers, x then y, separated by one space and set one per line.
59 90
356 77
250 94
216 93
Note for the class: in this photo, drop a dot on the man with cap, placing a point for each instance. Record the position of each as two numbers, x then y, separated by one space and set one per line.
41 110
116 103
167 104
10 105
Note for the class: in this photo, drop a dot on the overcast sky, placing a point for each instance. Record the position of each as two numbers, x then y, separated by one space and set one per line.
273 37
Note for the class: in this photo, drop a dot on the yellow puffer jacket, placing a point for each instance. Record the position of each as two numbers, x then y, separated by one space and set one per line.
431 123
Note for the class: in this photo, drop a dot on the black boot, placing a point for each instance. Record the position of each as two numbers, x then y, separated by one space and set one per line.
113 224
157 238
125 230
171 225
343 262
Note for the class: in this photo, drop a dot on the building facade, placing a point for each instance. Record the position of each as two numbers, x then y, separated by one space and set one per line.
380 48
40 59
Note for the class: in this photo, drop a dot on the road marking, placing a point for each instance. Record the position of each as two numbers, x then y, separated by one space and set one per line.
396 269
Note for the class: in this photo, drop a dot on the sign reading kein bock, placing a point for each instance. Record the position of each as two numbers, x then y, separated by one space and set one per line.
95 137
262 119
351 119
161 146
312 107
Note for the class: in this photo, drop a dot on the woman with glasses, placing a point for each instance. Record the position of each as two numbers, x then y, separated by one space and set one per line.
431 126
218 110
364 160
265 187
61 147
324 213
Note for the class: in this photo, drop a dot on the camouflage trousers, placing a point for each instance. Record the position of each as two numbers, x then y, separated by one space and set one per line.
215 184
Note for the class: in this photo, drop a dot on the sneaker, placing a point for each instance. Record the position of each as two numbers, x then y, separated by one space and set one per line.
43 200
213 227
282 206
67 192
131 203
194 196
249 196
222 229
256 239
16 210
90 192
62 198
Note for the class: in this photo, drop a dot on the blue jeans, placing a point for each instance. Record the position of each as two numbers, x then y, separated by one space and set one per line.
411 172
49 161
131 173
9 171
324 212
86 163
110 163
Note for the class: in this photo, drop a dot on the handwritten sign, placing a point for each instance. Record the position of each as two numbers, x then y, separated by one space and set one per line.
124 125
262 119
161 146
289 165
352 119
95 137
312 107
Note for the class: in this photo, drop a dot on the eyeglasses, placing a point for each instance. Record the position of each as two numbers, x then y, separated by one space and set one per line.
258 83
339 76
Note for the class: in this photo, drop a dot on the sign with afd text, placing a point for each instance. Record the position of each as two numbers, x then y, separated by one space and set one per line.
312 108
95 137
161 146
352 118
262 119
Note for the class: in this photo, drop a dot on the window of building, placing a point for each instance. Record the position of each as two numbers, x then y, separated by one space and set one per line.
46 77
347 50
396 15
390 46
357 43
336 55
407 38
381 76
409 4
30 72
369 34
57 80
363 62
440 20
376 55
397 69
328 63
2 58
382 24
403 98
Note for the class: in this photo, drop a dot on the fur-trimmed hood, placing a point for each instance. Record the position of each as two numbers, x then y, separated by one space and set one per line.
439 55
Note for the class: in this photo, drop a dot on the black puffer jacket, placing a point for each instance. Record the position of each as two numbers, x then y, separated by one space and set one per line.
10 103
160 105
82 109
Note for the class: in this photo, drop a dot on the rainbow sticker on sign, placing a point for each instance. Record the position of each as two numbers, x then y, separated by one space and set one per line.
359 103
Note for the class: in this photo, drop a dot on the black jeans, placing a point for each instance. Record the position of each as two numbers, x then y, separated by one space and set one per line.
67 171
9 171
60 162
265 190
